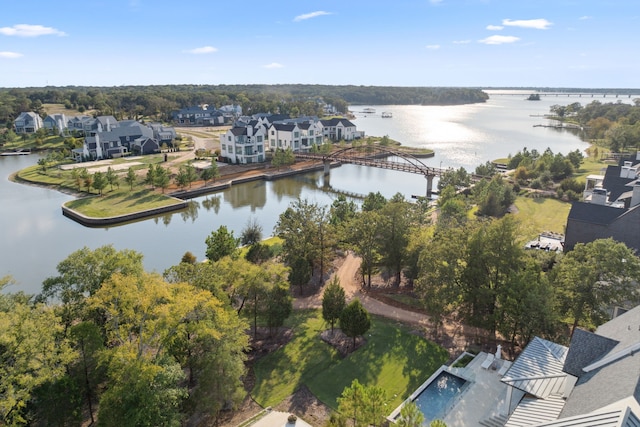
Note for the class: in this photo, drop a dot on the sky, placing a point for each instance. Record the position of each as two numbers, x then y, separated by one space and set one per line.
468 43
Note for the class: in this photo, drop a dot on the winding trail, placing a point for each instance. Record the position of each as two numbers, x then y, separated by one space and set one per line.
347 274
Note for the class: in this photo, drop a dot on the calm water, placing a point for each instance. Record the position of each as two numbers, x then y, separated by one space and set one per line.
35 236
435 398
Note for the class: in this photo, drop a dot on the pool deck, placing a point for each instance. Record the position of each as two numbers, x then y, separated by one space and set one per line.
484 398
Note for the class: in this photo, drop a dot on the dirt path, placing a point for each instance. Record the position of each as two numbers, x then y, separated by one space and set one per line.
347 274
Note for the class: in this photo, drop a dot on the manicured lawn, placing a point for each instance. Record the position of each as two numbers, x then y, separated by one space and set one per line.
392 358
120 202
541 214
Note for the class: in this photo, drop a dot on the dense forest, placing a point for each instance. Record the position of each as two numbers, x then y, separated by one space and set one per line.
159 101
616 125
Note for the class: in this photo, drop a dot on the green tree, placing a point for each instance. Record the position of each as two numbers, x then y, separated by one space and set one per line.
112 178
303 226
130 178
593 278
32 353
393 235
441 267
76 176
333 302
410 415
82 273
99 182
161 178
351 402
278 306
373 202
251 233
221 243
375 397
355 320
212 172
142 391
150 178
299 273
87 340
362 235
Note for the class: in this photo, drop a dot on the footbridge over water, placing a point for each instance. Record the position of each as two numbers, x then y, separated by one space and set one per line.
379 157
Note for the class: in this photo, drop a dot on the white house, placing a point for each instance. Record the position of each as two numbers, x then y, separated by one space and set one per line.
243 144
339 128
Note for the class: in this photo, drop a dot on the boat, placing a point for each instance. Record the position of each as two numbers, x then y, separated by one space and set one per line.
534 97
387 114
22 152
369 110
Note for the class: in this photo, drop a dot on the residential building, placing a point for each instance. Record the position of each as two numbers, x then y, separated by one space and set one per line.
243 144
200 115
594 381
107 138
28 122
340 128
299 134
55 123
610 207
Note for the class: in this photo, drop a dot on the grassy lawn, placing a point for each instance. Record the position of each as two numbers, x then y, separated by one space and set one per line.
541 214
120 202
392 358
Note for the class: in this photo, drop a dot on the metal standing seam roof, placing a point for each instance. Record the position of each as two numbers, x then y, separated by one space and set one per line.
621 414
533 411
538 369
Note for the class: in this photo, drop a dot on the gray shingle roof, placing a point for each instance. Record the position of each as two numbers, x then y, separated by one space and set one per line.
594 214
585 348
616 380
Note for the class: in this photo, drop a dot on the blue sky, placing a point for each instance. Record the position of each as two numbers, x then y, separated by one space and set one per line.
543 43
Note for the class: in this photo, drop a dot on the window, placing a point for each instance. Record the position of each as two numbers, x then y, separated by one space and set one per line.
231 149
259 138
296 134
229 138
310 132
224 147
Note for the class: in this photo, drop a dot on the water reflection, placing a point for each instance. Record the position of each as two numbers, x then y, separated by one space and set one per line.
252 194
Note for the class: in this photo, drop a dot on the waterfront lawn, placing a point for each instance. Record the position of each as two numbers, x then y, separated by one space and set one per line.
541 214
120 202
392 358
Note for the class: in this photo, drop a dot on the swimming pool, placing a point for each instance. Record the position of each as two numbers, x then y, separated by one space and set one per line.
434 399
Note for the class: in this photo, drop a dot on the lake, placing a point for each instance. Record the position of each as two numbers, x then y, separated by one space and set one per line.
36 237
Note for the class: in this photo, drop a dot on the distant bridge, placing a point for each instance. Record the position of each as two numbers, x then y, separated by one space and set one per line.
376 156
570 94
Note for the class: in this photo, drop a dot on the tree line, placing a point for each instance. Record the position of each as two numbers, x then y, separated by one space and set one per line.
157 102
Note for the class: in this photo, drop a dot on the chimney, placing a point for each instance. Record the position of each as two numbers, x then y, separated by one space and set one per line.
599 196
635 198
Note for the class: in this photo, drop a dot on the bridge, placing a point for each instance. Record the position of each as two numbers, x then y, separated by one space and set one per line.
569 94
376 156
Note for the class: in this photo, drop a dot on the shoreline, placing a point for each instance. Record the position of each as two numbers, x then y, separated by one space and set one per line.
185 195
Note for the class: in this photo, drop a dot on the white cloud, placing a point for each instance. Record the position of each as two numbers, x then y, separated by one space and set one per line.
435 1
538 24
310 15
584 18
494 27
273 65
499 40
26 30
10 55
202 50
461 41
433 46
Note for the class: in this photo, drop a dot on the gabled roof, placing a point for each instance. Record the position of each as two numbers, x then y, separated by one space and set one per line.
538 369
285 127
531 411
585 348
614 184
623 413
594 214
617 376
335 121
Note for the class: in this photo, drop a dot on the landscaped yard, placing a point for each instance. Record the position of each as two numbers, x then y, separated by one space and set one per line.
541 214
392 358
121 202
